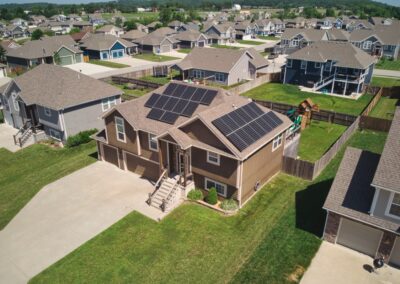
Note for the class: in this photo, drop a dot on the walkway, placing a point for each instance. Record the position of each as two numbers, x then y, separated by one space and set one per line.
7 140
386 73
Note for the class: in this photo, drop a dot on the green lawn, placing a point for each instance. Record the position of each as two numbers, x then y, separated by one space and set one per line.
154 57
317 138
24 173
145 17
385 108
160 80
264 53
1 116
224 46
108 64
250 42
269 37
185 50
271 240
290 94
130 94
388 64
385 82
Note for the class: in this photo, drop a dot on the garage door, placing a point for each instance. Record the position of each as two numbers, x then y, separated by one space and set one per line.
165 48
66 60
359 237
395 256
201 43
142 167
110 155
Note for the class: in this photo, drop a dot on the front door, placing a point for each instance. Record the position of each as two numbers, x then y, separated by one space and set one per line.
181 163
171 158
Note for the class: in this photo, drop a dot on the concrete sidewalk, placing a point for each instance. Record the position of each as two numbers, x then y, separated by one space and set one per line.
7 140
66 214
386 73
334 264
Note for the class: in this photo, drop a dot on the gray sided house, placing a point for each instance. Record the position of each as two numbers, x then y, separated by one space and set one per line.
330 67
153 43
224 66
60 50
190 39
295 39
57 101
221 33
363 204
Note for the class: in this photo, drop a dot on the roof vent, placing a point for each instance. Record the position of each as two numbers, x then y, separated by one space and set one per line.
234 106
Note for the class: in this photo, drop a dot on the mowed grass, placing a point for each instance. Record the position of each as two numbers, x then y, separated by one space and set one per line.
130 94
146 17
108 64
24 173
154 57
224 46
185 50
160 80
317 138
250 42
385 108
385 82
273 237
290 94
269 37
388 64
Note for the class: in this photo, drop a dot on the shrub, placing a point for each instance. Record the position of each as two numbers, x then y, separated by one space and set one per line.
229 205
80 138
195 194
212 197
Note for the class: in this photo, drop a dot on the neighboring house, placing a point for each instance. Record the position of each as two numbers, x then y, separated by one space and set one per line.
9 44
294 39
142 28
163 31
153 26
58 18
175 25
59 101
37 20
221 33
104 47
74 18
82 25
224 66
133 35
330 67
13 31
59 28
380 21
96 19
382 41
327 23
60 50
177 135
266 27
78 37
19 22
338 35
190 39
363 204
296 23
188 27
155 44
245 30
110 30
355 24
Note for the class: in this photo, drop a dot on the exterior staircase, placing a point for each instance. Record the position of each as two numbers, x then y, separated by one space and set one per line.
166 195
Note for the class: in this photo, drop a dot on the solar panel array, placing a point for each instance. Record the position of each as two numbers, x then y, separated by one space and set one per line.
178 100
246 125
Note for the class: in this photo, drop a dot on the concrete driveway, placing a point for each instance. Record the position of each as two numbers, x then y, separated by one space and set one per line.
334 264
7 140
88 68
67 213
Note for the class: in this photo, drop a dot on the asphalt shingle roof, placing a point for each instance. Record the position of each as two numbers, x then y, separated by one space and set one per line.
103 42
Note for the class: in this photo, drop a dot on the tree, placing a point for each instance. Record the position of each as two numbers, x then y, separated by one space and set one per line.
74 31
330 12
37 34
130 25
165 15
118 22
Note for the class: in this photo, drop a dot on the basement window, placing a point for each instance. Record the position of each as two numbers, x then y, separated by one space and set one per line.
277 142
393 209
220 187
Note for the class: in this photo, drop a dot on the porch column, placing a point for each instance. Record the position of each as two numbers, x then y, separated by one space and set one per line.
345 87
160 157
139 151
184 168
333 86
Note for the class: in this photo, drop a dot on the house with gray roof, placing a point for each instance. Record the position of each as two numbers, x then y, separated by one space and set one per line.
104 47
175 25
245 30
223 66
133 35
221 33
60 50
294 39
56 102
156 43
189 26
330 67
110 30
190 39
363 204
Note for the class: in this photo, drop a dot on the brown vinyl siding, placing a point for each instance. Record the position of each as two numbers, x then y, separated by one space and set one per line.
131 143
164 152
145 150
226 172
110 155
261 166
142 167
199 182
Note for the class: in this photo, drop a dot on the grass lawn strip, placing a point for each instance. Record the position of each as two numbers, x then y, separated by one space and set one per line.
284 218
185 50
269 37
224 46
385 108
155 57
317 138
108 64
24 173
250 42
290 94
385 82
388 64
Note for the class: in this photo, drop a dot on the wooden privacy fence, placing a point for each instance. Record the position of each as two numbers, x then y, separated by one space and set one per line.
375 124
373 102
262 79
124 80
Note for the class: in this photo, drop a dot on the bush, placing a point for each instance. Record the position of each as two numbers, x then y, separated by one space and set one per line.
80 138
195 194
212 197
229 205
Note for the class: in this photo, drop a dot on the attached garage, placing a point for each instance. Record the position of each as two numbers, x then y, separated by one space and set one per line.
165 48
110 154
395 255
142 167
117 53
359 237
201 44
66 60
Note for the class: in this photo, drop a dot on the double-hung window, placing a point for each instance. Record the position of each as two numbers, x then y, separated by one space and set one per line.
277 142
327 66
219 77
120 129
220 187
153 144
394 207
317 65
289 63
303 65
108 103
15 101
198 74
213 158
367 44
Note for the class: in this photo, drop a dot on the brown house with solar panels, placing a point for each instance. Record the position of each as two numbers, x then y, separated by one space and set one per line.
183 136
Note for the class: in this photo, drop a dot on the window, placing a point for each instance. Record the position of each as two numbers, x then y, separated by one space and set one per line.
295 42
367 44
277 142
219 77
15 102
55 134
317 64
153 144
327 66
289 63
108 103
303 65
394 207
120 128
213 158
220 187
198 74
47 111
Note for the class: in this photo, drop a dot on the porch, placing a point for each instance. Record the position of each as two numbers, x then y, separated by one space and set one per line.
7 141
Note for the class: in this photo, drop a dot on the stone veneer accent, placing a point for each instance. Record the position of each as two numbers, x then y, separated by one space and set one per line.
331 227
386 245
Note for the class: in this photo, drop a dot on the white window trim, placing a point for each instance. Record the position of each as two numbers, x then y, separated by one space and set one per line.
279 138
389 205
216 182
291 63
47 111
121 120
367 44
151 136
317 65
108 103
218 76
305 65
15 102
218 157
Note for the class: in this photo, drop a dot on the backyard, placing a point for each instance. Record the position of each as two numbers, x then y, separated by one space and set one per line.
24 173
160 80
224 46
146 17
184 50
290 94
269 37
388 64
154 57
130 94
317 138
284 218
385 108
385 82
108 64
250 42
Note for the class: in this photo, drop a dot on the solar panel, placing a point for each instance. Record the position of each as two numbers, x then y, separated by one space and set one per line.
198 95
161 102
208 97
170 89
239 143
188 93
169 117
189 109
180 106
170 104
152 100
223 127
179 91
155 114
